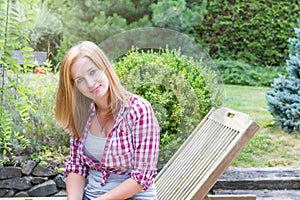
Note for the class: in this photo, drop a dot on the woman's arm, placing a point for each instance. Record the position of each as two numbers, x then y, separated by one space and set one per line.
123 191
75 186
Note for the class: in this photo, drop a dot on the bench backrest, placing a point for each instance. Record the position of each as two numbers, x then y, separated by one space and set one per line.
205 155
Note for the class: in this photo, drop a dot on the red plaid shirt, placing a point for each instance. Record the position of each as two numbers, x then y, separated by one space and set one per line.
131 148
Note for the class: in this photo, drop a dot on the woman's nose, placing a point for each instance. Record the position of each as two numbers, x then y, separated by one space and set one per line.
90 82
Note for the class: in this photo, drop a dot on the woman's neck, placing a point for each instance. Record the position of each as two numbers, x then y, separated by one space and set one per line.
103 106
102 110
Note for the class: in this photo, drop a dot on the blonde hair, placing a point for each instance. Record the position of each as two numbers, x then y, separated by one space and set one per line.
72 108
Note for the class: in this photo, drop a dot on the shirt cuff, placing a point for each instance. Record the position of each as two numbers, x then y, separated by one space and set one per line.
144 178
81 170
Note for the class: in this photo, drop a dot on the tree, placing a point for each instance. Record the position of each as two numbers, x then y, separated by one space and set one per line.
46 31
97 20
178 15
284 101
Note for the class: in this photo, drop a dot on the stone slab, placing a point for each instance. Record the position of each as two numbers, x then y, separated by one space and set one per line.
260 179
264 195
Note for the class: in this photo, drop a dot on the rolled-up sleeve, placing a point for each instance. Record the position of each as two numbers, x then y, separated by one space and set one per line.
146 138
75 163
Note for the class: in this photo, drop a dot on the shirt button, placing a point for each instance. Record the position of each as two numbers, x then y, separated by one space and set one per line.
145 164
105 149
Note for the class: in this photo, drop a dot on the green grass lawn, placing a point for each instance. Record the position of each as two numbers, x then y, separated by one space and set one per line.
270 146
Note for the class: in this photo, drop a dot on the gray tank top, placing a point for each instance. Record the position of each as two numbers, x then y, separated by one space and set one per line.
94 147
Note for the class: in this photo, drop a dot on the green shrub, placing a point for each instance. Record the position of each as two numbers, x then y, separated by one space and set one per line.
180 90
29 124
14 36
241 73
102 19
46 31
41 128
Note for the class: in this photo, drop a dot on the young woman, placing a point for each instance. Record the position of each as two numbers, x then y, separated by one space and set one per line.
114 135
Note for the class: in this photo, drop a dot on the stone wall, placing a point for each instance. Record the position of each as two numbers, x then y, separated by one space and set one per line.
35 180
31 180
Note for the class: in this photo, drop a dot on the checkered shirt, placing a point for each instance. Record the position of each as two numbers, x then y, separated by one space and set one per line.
131 147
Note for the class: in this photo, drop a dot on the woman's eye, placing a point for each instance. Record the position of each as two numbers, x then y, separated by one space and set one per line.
93 72
78 81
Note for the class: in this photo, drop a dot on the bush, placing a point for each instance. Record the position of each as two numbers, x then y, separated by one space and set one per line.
41 127
241 73
180 90
284 101
29 117
15 104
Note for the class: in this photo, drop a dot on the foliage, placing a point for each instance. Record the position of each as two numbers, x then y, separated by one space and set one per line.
26 103
103 19
253 31
46 31
48 155
33 129
237 72
14 35
178 15
179 89
41 128
284 100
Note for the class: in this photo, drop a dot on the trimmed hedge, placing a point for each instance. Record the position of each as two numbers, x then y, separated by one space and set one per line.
253 31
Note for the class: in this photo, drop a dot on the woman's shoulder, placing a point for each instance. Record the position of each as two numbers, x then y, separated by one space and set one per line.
140 108
138 101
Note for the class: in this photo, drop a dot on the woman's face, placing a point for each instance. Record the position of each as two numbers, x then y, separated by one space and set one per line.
89 79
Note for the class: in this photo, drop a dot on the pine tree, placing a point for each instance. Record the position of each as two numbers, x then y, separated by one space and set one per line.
284 101
96 20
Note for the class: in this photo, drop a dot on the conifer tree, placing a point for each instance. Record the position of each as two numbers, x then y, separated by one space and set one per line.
284 101
96 20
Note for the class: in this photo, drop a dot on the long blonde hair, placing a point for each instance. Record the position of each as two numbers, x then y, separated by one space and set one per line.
72 108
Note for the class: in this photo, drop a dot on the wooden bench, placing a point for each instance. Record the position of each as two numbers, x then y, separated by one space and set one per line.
204 157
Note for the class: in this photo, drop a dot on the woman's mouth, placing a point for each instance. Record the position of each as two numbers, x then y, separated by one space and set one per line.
96 89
